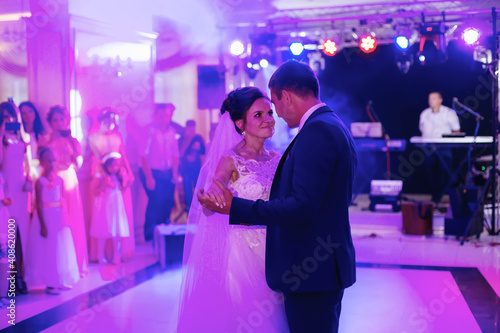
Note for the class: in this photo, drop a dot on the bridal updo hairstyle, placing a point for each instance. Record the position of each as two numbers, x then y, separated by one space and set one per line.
239 101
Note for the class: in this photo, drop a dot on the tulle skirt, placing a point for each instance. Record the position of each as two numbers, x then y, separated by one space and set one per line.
76 222
52 261
109 217
236 299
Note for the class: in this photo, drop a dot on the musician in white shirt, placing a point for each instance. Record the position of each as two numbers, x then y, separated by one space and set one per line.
435 121
438 119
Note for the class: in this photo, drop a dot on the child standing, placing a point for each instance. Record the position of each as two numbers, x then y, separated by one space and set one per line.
54 262
109 217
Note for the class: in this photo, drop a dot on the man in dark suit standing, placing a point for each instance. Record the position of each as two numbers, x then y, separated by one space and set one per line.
309 249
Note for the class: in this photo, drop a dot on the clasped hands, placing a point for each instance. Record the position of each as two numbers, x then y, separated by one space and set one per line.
217 198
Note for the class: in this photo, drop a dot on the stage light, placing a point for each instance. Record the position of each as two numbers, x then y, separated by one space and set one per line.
368 44
263 63
237 48
249 64
421 58
470 36
402 42
296 48
404 61
329 47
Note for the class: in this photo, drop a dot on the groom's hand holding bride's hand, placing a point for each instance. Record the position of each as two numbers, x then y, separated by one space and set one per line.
217 198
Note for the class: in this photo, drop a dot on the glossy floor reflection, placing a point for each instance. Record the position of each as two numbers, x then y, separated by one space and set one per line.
405 284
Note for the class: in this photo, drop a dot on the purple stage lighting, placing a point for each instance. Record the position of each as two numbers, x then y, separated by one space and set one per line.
264 63
237 48
470 36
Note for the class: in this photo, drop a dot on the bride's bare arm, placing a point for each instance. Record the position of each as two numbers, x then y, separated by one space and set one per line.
225 172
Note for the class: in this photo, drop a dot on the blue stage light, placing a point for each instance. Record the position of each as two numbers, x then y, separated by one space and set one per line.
402 42
296 48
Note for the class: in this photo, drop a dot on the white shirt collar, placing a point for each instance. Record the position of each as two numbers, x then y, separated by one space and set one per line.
309 113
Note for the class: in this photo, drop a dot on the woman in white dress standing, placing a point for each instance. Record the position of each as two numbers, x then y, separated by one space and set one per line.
224 287
105 141
67 151
109 216
33 129
52 257
15 165
32 124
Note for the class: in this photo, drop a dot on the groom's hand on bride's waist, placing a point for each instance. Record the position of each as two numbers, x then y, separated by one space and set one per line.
213 201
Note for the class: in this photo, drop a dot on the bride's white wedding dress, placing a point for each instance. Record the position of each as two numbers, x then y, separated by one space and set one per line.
224 287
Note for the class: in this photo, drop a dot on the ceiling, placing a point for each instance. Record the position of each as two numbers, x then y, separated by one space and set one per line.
208 23
321 19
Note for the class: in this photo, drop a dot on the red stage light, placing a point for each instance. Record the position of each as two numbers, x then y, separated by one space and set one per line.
368 44
329 47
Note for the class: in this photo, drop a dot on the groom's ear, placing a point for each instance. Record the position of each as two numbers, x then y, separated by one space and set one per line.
286 97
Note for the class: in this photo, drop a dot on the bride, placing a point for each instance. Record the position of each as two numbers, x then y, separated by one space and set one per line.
224 287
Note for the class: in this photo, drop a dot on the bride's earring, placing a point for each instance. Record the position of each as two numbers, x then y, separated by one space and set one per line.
243 133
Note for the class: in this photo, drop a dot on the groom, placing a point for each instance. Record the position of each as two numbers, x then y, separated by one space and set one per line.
309 250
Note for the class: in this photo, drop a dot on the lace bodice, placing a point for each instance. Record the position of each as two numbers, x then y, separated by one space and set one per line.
255 177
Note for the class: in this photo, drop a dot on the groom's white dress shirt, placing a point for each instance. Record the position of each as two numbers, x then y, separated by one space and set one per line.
309 113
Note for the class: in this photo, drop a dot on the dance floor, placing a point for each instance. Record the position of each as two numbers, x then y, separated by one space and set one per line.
405 284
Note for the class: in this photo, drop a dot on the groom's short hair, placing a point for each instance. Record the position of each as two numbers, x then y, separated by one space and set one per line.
296 77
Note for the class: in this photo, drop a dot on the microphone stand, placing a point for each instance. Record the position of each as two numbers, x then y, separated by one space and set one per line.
375 118
471 146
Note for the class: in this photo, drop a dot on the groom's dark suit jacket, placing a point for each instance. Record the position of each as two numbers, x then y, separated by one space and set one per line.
309 245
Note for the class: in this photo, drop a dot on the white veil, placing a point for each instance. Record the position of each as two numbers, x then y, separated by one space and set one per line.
206 244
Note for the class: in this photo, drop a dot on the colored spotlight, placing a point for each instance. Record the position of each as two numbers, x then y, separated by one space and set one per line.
402 42
470 36
263 63
329 48
296 48
237 48
368 44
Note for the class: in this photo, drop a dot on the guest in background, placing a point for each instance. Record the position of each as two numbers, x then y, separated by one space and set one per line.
160 164
435 121
101 143
53 258
32 124
14 165
192 152
33 127
67 151
109 218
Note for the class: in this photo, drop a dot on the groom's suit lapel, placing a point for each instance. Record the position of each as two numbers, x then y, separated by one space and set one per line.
287 151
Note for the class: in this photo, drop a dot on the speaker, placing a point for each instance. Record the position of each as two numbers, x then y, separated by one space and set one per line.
417 218
464 205
211 87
